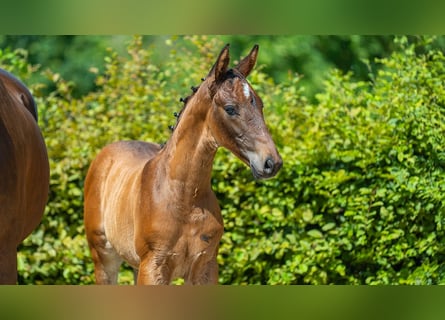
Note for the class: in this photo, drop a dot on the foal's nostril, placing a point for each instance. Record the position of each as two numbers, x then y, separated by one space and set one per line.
268 166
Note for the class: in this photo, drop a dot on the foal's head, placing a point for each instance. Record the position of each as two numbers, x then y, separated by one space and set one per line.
236 117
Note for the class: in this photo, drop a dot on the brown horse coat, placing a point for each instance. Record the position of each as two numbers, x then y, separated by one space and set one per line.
24 172
154 207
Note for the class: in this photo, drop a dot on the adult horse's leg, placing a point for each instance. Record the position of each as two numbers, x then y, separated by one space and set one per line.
8 265
10 229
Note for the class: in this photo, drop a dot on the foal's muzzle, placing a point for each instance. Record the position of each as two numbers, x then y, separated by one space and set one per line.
268 169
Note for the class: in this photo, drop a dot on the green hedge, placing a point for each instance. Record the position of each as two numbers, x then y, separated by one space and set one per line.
360 199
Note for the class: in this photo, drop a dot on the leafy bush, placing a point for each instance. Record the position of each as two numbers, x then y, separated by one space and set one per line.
360 199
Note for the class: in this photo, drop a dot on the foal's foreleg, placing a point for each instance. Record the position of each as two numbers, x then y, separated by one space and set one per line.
154 270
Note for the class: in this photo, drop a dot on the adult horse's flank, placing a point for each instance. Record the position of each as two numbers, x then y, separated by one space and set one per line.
24 172
154 207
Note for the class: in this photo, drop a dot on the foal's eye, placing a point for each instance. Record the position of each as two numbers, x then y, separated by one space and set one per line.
230 110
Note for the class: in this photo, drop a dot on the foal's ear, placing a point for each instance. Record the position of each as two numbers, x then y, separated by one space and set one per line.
246 65
219 69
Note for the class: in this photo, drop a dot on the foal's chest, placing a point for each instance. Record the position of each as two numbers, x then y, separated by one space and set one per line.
198 241
202 232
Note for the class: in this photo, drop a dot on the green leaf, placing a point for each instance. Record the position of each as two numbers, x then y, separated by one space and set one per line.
314 233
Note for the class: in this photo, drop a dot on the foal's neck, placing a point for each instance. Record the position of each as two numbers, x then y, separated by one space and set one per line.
190 151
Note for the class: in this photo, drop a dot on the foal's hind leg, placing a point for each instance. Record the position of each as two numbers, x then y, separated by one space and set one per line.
106 260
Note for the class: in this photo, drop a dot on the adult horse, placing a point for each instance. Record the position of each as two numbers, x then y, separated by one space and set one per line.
24 172
153 206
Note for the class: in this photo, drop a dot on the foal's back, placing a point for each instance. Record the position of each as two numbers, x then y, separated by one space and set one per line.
114 167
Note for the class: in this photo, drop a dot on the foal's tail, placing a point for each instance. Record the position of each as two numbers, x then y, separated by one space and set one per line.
13 86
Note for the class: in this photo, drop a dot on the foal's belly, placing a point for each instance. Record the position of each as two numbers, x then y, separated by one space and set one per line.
121 239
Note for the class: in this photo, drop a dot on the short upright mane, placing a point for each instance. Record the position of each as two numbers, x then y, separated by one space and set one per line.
230 74
185 103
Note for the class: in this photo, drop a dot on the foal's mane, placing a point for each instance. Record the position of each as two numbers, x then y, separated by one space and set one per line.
179 114
230 74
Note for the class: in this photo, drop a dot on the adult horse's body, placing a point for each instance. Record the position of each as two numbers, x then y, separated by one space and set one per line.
154 207
24 172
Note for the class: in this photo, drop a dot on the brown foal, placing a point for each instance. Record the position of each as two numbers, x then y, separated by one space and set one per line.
24 172
153 206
